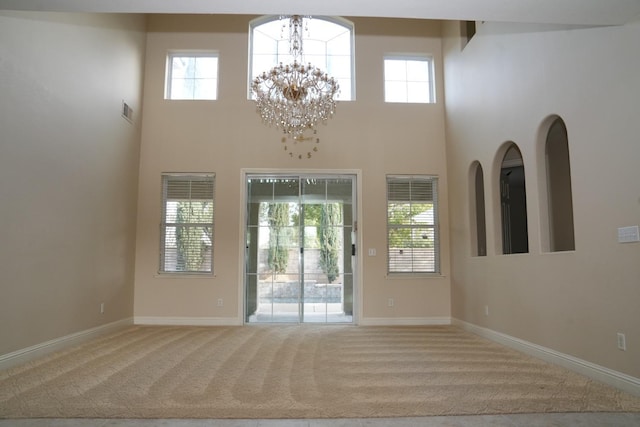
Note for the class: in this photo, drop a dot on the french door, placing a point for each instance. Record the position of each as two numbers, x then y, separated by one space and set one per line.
300 247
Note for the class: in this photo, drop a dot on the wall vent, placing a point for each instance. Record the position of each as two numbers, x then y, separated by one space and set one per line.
127 112
628 234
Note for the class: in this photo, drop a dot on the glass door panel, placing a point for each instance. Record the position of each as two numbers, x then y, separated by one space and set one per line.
325 239
272 250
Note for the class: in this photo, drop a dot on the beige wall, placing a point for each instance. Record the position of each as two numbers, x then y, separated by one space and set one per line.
227 136
503 85
68 172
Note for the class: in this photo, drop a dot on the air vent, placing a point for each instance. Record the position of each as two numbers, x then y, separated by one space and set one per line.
628 234
127 112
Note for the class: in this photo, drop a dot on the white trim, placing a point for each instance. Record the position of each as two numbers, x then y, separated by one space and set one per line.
35 351
404 321
187 321
599 373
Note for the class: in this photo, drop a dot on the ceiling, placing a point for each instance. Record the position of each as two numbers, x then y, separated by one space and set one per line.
575 12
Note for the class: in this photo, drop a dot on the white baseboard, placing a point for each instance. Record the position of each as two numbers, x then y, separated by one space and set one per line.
404 321
187 321
599 373
27 354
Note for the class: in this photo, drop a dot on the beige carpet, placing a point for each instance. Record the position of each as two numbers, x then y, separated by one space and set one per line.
295 372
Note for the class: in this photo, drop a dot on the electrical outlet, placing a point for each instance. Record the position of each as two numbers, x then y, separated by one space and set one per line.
622 341
220 302
372 252
102 308
390 302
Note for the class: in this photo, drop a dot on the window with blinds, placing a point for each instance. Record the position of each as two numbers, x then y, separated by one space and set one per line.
187 223
412 224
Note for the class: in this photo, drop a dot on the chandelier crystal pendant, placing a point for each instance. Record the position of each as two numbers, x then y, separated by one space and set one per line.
295 97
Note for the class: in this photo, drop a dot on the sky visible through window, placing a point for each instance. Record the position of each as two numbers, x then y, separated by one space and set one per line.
407 80
193 77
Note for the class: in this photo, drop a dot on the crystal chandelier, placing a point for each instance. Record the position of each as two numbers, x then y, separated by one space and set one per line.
295 97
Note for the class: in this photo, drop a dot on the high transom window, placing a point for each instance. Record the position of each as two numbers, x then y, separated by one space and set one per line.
192 76
408 79
327 44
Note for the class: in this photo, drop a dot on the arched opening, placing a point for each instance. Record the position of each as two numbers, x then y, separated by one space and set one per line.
477 210
513 202
559 195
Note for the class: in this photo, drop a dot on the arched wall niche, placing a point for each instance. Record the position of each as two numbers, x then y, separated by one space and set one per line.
554 184
477 210
510 199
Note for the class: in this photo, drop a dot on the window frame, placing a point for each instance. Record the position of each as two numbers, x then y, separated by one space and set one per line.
433 180
165 224
431 99
345 23
190 54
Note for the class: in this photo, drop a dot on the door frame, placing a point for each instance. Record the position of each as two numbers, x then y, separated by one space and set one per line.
242 253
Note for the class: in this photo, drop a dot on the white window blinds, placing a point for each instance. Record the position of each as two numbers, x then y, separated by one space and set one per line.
412 231
187 223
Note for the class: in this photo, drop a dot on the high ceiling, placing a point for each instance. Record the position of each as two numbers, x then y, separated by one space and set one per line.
575 12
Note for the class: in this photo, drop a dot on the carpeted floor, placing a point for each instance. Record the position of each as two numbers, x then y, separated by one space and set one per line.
282 371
